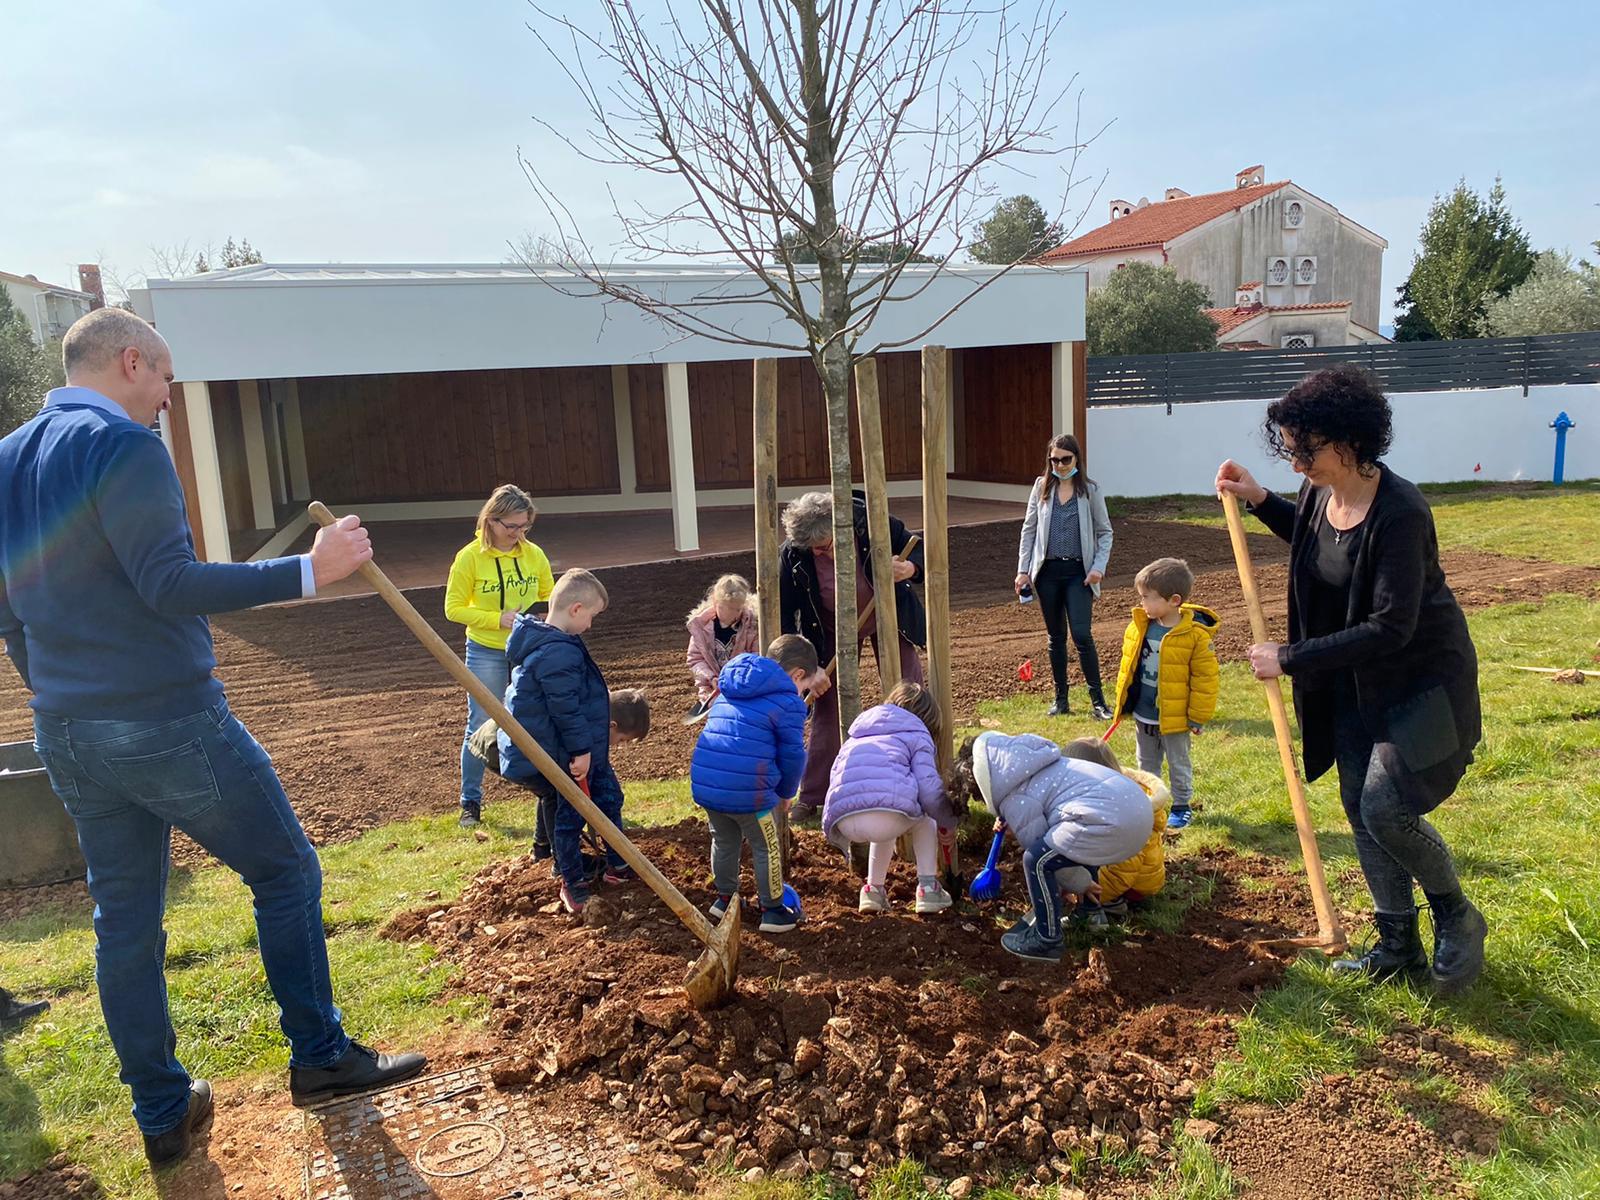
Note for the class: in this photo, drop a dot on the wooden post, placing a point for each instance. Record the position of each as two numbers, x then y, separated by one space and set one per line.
1330 931
935 526
873 480
766 497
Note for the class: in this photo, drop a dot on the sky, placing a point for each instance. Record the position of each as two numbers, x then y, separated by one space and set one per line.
366 131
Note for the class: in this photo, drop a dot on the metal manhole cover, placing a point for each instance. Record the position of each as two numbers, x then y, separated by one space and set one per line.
456 1136
461 1149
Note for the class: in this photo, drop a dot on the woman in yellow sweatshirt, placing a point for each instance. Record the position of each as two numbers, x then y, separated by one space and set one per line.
495 576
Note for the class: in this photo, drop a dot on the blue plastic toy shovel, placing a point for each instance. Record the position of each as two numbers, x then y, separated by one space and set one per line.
986 886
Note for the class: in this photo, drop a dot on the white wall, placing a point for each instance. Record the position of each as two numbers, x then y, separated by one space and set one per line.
1138 450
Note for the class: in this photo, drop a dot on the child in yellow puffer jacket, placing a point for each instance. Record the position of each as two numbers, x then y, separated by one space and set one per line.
1126 884
1169 677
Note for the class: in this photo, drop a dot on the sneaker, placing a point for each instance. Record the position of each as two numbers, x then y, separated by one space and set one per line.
471 815
359 1069
1179 818
872 899
543 850
778 920
932 900
1032 945
163 1149
1089 916
719 907
1102 711
1117 911
622 873
572 900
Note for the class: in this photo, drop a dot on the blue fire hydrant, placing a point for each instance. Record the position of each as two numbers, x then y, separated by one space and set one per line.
1561 424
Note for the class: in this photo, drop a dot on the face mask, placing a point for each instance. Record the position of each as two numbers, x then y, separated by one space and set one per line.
1060 474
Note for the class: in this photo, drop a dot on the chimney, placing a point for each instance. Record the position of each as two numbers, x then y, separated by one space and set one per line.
1250 176
1144 202
89 281
1175 194
1120 208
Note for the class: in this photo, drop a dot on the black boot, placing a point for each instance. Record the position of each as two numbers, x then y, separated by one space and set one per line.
1398 950
1458 933
360 1070
1059 708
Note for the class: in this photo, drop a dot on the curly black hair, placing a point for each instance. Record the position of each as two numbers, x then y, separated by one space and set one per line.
1336 406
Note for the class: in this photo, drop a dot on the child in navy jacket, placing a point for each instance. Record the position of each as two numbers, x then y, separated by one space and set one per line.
559 696
748 761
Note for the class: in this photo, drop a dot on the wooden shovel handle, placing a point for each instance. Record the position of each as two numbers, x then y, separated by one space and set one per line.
495 707
872 603
1328 925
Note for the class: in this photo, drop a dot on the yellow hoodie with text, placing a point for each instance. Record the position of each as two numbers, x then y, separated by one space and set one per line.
485 582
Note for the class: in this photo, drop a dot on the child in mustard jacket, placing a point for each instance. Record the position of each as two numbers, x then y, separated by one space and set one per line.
1169 677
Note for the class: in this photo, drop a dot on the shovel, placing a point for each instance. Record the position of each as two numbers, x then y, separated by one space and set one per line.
986 884
711 979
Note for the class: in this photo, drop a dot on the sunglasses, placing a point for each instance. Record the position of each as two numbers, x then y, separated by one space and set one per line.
1061 460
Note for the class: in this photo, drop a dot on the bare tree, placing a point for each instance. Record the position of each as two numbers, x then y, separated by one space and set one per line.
805 136
535 250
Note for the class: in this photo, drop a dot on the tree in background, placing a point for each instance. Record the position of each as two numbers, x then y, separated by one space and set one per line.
823 146
1145 309
1557 297
25 370
175 262
1017 230
1473 251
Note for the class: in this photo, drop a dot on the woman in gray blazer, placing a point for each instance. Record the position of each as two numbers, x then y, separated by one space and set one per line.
1066 543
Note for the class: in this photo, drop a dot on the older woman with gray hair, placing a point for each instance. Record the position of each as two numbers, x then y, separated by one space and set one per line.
805 597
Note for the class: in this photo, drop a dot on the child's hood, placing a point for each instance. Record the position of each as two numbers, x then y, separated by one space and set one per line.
1203 617
750 675
887 720
530 635
1002 762
1160 796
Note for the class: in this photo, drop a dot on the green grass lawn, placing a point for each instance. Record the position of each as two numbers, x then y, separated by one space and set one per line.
1524 520
1521 828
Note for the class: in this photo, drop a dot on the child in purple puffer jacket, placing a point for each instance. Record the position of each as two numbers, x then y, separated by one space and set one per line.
886 783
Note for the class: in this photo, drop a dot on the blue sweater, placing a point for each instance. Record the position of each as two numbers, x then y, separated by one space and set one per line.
753 747
102 604
559 696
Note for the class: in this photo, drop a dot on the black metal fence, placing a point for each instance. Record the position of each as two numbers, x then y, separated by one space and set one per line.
1399 366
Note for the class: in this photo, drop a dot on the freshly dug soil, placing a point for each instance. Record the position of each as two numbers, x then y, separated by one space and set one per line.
857 1039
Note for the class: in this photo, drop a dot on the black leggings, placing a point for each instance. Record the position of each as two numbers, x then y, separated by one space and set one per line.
1067 603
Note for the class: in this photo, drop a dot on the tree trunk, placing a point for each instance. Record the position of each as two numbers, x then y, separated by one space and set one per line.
833 363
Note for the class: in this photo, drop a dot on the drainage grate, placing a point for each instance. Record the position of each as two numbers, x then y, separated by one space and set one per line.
458 1137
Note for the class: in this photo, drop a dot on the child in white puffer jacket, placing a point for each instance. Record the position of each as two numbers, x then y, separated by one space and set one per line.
1071 817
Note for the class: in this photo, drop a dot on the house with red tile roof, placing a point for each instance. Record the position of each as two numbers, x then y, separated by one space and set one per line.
1272 247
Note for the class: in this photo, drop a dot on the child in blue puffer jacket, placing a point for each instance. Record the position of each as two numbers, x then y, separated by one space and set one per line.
748 761
886 783
1071 818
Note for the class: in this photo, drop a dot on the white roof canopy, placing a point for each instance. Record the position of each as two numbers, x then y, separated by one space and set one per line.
298 320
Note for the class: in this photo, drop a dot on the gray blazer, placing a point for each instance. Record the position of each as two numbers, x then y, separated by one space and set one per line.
1094 529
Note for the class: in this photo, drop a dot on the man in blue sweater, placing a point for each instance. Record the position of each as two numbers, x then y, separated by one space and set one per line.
102 606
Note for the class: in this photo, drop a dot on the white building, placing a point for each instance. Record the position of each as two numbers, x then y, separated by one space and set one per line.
1287 247
48 309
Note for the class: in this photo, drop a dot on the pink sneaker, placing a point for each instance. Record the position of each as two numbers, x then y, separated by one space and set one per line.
932 900
873 899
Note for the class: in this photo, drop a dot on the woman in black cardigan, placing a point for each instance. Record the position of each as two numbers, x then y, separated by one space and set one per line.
1385 674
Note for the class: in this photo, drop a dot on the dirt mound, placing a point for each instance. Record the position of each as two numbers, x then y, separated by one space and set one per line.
59 1179
855 1040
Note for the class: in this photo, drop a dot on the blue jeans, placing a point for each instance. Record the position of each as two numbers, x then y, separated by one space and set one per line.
567 834
489 666
1040 865
126 785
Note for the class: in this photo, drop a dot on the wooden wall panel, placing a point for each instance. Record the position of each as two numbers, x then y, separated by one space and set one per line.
176 419
229 425
458 435
647 397
1005 394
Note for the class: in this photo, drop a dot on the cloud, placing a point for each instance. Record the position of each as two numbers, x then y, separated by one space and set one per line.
117 198
296 171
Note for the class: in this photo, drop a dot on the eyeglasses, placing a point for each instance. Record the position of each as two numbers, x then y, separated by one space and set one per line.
519 530
1061 460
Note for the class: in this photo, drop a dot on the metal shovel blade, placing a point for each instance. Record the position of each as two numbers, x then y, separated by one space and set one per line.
711 977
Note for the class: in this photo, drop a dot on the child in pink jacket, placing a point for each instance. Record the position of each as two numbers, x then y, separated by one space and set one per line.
885 783
722 626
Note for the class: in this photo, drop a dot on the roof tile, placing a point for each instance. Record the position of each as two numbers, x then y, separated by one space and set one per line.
1157 224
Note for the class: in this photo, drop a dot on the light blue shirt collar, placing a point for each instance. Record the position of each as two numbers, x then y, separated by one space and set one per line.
85 396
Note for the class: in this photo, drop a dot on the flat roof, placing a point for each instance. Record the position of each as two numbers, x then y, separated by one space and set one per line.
297 320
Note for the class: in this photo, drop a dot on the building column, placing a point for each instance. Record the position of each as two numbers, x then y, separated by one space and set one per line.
680 459
622 409
255 455
295 442
271 407
1068 363
207 471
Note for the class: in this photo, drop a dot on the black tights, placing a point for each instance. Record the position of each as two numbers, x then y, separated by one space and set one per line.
1067 604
